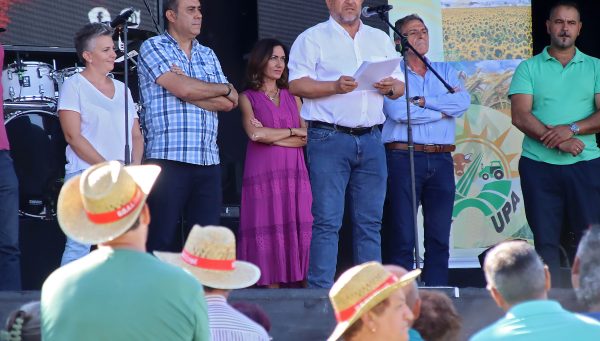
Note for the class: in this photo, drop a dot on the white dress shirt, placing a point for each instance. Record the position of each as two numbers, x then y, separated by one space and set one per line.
228 324
325 52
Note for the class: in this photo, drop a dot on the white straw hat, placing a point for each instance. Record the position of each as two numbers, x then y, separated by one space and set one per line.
103 202
209 254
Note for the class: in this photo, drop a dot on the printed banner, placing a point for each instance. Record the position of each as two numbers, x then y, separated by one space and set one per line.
485 41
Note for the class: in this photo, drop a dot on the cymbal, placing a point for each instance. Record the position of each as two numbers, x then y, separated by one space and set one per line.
134 34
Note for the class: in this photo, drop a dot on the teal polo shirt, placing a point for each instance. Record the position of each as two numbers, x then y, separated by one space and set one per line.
561 95
541 320
413 335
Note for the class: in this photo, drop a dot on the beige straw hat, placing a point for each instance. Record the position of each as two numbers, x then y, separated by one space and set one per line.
209 254
103 202
361 288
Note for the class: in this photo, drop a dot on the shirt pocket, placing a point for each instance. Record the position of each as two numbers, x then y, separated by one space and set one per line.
209 73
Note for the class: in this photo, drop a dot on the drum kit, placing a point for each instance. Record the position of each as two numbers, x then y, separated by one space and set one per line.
31 90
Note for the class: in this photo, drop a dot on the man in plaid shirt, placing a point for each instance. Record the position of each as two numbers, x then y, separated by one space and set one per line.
182 87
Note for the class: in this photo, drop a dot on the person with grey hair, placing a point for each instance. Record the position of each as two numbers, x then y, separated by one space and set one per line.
91 109
434 111
585 274
519 283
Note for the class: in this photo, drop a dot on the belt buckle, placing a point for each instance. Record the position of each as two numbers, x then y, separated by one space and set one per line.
432 148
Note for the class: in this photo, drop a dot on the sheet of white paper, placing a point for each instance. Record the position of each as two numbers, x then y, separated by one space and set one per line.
372 72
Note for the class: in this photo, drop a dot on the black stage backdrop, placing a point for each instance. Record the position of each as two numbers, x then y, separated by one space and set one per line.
39 24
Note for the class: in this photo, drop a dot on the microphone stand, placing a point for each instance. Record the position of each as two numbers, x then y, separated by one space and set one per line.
124 30
411 145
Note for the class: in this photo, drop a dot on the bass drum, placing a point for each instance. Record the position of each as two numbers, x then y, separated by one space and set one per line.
37 146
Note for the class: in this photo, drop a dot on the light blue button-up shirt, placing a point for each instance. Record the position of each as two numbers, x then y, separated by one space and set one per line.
541 320
429 126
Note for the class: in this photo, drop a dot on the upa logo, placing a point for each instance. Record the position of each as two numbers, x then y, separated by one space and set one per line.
488 205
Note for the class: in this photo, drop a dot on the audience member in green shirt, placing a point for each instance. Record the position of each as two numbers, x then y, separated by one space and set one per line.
117 292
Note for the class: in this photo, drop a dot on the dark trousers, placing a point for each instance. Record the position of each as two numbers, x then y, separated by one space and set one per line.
435 189
10 269
559 197
182 190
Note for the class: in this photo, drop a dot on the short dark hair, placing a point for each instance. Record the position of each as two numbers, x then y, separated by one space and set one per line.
402 21
134 225
86 34
438 320
259 57
169 5
564 3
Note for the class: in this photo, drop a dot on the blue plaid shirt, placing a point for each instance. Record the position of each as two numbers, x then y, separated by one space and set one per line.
174 129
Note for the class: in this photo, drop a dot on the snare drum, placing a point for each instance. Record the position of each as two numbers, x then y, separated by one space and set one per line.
62 74
28 81
37 147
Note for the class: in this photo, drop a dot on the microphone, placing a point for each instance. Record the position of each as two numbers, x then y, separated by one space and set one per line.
121 18
375 10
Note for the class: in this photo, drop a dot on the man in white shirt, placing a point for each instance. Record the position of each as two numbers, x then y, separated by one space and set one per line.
344 142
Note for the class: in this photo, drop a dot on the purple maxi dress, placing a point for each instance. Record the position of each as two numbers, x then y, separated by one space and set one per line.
275 219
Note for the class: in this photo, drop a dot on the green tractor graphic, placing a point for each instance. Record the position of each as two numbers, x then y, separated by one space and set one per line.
494 169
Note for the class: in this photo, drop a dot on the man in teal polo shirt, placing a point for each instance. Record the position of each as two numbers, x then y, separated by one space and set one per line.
555 98
519 283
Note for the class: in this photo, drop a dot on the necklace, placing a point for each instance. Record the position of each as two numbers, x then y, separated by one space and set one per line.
274 97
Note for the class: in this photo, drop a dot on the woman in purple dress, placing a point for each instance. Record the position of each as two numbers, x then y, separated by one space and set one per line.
275 221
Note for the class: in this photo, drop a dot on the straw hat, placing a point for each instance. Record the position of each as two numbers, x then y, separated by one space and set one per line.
361 288
209 254
103 202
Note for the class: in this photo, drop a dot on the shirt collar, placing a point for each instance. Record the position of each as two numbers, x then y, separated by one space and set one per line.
534 307
577 58
408 66
172 40
336 26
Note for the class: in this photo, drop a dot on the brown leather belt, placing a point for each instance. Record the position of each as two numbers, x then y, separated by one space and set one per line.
427 148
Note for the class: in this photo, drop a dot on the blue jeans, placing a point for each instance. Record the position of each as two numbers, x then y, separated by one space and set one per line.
10 268
435 190
340 164
73 249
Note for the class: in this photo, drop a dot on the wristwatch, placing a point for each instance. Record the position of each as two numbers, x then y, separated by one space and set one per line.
390 93
416 100
574 128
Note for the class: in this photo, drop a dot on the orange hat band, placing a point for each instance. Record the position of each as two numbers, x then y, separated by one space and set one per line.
206 263
346 314
118 213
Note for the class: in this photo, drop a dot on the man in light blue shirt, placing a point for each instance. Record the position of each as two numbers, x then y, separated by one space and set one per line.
433 112
519 282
